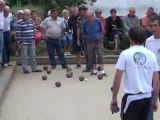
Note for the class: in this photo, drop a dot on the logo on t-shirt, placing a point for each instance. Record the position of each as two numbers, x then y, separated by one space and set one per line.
139 58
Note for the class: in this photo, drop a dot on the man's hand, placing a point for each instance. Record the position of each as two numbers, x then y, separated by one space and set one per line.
44 37
154 106
20 46
114 106
78 42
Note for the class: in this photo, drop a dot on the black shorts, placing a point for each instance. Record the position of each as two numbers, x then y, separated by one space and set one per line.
113 33
135 109
76 48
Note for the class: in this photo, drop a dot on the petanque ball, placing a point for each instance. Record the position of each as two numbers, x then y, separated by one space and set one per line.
115 109
99 68
112 88
69 69
81 78
48 71
45 67
58 84
44 77
100 76
69 74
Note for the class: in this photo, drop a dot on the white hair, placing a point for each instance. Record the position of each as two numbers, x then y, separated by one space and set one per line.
49 13
65 11
27 11
7 7
2 2
20 11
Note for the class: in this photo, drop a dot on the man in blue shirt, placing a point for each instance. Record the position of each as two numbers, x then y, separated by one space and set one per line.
93 31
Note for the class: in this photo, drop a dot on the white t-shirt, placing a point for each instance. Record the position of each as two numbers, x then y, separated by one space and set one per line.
53 28
7 22
138 64
153 44
1 20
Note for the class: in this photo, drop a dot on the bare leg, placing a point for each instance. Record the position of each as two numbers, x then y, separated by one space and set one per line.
117 42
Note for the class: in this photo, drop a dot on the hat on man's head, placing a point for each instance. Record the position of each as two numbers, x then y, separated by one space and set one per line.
19 11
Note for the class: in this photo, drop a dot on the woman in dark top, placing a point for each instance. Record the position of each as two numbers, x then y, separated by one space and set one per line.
114 29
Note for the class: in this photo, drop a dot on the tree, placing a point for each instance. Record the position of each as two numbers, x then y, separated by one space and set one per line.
50 3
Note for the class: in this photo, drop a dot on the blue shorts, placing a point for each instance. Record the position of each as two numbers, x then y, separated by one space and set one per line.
67 41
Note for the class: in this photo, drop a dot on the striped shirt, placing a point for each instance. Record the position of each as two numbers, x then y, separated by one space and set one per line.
25 31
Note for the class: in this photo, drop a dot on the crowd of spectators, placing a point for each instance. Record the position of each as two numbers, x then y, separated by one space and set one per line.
76 30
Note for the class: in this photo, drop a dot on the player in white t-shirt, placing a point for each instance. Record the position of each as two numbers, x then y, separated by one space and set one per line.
153 44
140 69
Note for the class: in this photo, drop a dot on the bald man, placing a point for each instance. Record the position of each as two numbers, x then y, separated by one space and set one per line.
130 20
7 36
2 5
93 30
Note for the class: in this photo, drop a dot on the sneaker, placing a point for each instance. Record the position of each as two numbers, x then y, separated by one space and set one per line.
92 74
53 67
64 66
105 75
78 66
65 53
9 64
5 65
37 70
86 70
69 54
111 42
26 72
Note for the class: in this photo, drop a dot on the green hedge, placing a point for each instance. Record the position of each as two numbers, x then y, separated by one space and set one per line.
40 10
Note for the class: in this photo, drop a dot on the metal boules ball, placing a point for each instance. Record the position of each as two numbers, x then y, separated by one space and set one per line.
99 68
69 69
58 84
100 76
44 77
81 78
48 71
69 74
45 67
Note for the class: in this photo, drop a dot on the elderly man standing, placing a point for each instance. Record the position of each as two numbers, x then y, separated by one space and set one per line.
130 20
2 5
53 31
93 30
7 36
25 35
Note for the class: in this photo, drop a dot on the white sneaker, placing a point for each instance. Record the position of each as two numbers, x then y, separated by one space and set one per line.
69 54
65 53
5 65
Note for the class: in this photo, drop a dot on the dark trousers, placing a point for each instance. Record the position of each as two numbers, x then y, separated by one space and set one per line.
136 109
7 47
55 44
88 66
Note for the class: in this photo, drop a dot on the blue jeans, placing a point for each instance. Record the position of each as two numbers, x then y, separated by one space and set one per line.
84 42
7 47
1 45
55 44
